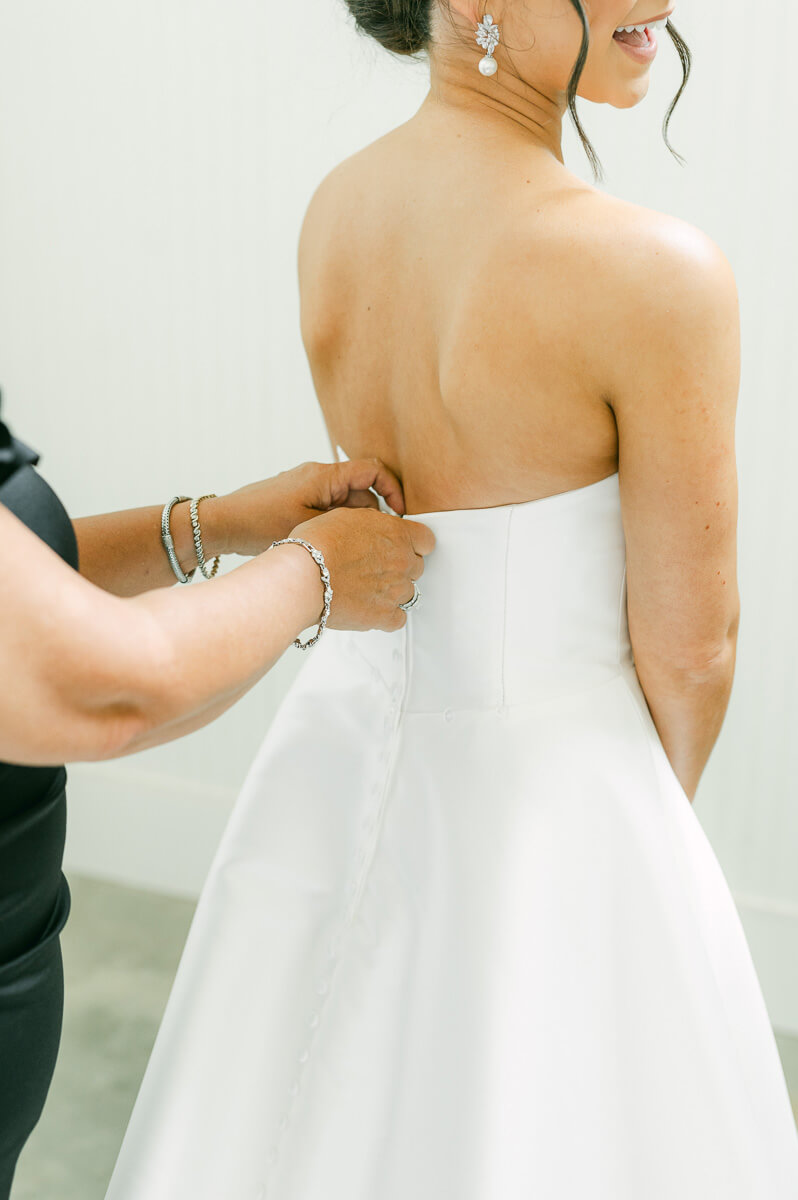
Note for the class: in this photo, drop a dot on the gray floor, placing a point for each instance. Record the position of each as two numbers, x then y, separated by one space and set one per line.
118 978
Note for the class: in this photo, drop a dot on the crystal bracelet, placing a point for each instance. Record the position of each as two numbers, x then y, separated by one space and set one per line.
168 540
195 526
318 558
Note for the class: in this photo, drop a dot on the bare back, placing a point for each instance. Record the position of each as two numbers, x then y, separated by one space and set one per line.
497 331
447 318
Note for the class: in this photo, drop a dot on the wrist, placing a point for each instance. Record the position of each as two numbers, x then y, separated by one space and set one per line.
304 581
218 527
236 525
212 524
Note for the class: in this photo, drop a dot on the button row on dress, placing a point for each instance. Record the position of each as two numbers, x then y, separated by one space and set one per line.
368 829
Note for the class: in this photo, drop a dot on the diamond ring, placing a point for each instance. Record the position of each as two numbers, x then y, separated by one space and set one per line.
411 603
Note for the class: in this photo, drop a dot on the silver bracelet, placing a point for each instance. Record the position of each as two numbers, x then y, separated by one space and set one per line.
195 525
318 559
168 540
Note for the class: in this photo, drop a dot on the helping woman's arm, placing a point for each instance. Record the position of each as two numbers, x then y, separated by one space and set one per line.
674 398
88 675
122 552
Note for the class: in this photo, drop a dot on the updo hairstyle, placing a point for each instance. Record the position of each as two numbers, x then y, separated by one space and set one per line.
405 27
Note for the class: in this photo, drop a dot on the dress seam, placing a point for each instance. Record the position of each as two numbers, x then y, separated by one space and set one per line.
370 833
545 701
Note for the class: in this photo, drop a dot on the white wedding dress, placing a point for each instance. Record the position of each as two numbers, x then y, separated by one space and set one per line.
464 938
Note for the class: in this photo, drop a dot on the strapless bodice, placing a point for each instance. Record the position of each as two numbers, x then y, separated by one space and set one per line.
519 603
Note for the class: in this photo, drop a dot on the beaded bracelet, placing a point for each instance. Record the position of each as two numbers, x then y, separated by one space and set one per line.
195 526
318 558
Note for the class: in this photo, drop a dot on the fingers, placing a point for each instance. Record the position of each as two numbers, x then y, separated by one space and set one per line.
375 556
422 538
363 473
362 500
407 599
395 619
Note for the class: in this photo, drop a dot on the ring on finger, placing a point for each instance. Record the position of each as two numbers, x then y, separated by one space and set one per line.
413 601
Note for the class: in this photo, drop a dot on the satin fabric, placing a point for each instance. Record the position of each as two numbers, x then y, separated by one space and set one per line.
464 938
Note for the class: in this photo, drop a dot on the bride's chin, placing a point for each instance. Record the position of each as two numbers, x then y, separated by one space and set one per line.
621 93
629 103
630 94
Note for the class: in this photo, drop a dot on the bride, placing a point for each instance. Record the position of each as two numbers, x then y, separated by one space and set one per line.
465 938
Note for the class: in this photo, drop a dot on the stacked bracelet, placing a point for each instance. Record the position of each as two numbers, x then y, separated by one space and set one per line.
169 544
318 558
168 540
195 525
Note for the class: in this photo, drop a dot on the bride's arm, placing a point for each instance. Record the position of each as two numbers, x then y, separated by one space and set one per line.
675 371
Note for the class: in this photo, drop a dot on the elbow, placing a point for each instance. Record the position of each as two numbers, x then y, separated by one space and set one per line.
717 658
71 733
717 662
152 696
99 693
705 663
116 732
710 663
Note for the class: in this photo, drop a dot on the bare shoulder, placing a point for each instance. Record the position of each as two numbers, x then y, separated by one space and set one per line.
322 238
655 266
614 261
334 207
638 280
337 220
321 211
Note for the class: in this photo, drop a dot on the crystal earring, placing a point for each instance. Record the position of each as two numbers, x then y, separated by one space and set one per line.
488 39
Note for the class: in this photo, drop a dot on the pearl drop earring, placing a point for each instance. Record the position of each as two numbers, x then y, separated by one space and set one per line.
488 39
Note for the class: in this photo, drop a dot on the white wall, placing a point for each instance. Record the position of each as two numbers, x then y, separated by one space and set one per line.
155 161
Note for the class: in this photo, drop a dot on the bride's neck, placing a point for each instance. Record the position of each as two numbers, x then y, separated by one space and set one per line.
507 102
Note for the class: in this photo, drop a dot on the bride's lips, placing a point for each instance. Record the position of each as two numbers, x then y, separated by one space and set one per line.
643 53
647 52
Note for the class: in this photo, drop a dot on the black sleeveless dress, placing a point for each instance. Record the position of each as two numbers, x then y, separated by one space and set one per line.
34 897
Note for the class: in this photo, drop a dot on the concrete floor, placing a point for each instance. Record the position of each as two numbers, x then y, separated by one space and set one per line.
118 978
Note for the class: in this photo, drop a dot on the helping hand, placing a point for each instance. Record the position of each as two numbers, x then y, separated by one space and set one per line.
248 520
373 559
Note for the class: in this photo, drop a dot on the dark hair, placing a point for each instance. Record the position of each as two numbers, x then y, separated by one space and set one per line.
405 27
402 26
